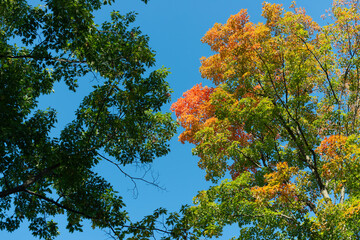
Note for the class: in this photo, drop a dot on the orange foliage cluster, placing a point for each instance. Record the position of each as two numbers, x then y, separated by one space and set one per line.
236 43
279 187
333 151
192 110
219 37
272 13
332 146
353 209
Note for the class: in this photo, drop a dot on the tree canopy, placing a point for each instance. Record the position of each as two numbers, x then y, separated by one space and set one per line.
42 175
283 121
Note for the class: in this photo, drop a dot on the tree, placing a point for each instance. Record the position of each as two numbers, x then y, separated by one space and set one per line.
283 122
119 121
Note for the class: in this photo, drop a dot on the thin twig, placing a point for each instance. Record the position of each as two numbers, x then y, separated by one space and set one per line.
133 179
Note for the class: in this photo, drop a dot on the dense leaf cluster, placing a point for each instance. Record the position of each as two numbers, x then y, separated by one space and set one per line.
41 175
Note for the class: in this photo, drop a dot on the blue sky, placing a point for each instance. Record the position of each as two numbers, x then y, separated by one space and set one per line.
175 29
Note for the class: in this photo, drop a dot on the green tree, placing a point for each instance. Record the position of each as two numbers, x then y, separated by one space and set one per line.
283 122
42 176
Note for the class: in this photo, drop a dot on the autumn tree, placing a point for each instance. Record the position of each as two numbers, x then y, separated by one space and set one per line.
42 175
283 121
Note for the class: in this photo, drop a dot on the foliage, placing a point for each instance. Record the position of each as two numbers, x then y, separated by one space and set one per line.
282 121
41 175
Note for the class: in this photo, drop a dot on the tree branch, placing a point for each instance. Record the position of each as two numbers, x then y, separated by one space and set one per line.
323 68
28 182
86 215
41 58
57 204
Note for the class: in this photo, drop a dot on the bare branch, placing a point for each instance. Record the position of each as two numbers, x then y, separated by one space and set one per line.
133 179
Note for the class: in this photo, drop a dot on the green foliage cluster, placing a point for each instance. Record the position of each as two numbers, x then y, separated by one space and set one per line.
42 176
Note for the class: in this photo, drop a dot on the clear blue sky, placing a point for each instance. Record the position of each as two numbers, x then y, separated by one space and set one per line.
175 28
